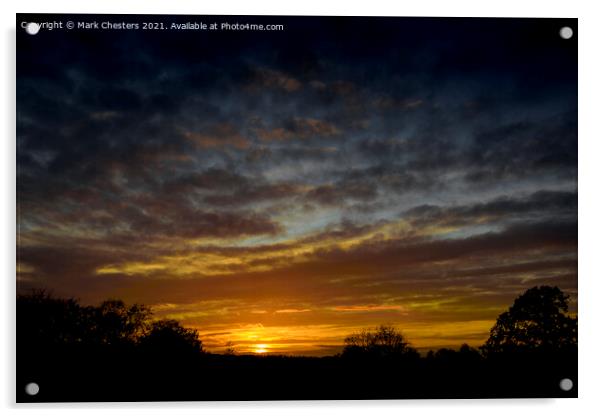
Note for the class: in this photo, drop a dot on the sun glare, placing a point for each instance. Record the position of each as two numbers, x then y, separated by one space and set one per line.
261 348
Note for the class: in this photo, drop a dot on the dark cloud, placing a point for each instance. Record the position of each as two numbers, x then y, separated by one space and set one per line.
553 204
386 254
382 264
336 194
190 223
255 193
210 179
521 148
267 78
298 128
392 178
218 136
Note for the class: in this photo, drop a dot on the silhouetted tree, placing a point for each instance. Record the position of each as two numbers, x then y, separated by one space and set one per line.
468 354
465 356
445 355
115 322
383 342
168 336
44 320
536 320
230 349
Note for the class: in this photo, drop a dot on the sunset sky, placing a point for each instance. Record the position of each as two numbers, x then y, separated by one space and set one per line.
280 190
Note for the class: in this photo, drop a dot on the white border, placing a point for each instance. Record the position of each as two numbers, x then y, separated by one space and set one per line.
590 207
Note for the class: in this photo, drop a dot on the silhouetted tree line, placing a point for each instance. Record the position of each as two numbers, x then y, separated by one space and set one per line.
45 321
116 352
537 322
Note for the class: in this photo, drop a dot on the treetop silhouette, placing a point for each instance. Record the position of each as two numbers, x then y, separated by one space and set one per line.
43 320
383 342
537 320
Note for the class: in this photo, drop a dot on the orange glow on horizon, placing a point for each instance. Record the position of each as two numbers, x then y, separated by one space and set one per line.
325 340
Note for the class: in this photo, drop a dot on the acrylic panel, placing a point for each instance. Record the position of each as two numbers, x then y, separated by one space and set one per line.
295 207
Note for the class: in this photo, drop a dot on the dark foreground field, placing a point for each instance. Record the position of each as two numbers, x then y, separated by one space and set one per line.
106 376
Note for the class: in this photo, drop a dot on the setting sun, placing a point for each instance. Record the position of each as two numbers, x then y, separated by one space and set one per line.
261 348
